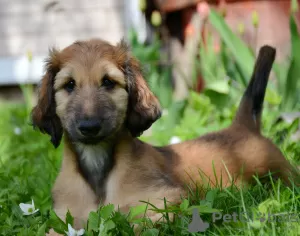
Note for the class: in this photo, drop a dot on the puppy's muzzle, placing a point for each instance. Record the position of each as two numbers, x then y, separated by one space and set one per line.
89 127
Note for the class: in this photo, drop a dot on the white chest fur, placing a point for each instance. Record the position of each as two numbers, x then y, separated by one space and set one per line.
93 156
95 162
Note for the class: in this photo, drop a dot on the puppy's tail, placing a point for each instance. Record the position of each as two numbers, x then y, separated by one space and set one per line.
250 109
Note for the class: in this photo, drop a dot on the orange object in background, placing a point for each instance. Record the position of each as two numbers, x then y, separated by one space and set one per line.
273 27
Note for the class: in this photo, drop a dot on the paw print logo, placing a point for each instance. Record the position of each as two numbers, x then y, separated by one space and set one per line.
197 224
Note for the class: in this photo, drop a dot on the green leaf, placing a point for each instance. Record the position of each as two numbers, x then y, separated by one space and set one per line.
256 224
273 97
269 205
291 96
220 86
56 223
93 221
184 205
218 99
241 53
281 71
69 218
150 232
41 230
89 233
106 211
211 195
137 210
202 209
108 225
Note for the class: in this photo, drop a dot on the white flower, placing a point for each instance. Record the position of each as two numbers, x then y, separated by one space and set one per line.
28 209
175 140
17 130
73 232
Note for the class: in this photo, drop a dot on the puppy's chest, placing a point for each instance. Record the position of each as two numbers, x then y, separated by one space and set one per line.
95 163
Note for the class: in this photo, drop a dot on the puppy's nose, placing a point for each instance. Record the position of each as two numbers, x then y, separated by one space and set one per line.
89 127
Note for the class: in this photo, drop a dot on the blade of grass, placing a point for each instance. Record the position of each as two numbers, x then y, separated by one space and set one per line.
291 97
241 53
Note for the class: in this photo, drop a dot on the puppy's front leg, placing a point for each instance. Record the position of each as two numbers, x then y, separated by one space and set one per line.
71 192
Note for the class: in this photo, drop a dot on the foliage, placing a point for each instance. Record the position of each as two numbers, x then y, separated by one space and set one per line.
283 91
156 73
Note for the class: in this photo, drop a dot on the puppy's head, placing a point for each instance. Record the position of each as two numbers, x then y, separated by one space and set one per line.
92 90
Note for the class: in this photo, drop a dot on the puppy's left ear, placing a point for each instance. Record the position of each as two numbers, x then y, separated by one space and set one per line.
143 107
44 113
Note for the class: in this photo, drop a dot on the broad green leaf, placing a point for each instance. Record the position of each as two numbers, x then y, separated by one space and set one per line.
184 205
105 226
218 99
106 211
137 210
93 221
273 97
56 223
41 230
150 232
211 195
108 225
220 86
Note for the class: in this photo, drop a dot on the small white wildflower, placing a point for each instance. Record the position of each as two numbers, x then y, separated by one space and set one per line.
28 209
175 140
17 130
73 232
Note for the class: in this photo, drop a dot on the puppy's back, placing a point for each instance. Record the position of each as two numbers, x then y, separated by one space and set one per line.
240 151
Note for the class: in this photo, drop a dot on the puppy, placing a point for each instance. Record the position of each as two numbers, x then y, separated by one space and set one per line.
93 95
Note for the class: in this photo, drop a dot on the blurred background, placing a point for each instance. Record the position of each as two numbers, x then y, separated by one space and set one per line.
169 33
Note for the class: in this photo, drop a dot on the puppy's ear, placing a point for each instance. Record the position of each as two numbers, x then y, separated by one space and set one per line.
44 114
143 106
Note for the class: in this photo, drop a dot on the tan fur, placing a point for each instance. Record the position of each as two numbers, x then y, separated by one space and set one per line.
139 170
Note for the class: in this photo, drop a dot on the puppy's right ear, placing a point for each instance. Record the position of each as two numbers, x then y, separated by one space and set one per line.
44 114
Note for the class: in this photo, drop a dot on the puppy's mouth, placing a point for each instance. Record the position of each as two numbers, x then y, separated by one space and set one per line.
91 140
88 131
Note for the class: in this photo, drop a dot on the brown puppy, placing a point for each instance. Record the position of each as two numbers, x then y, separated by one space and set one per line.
94 94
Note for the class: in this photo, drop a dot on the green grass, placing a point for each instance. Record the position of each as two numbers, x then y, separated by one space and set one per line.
29 165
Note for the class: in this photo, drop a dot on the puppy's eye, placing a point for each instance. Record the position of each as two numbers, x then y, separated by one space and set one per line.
69 87
106 82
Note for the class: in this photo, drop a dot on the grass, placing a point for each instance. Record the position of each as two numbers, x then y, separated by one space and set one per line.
29 165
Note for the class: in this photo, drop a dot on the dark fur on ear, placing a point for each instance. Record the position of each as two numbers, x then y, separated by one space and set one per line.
44 113
143 107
